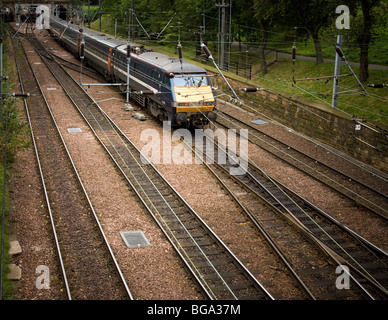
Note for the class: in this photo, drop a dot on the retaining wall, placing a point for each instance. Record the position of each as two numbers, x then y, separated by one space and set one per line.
324 124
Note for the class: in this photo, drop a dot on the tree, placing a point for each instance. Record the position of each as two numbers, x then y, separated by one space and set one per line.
267 13
367 7
311 15
369 18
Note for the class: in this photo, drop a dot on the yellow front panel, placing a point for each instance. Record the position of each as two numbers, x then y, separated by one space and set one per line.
194 94
194 109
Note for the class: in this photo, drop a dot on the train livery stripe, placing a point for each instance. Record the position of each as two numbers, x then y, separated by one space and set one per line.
194 109
109 59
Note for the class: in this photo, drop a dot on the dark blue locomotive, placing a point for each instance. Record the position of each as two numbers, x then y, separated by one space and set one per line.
169 88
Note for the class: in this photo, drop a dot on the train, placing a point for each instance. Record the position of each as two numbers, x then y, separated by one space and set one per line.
170 89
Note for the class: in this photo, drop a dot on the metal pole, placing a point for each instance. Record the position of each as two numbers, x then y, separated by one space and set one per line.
82 54
99 11
223 35
17 14
128 55
341 54
166 26
115 25
133 20
337 69
230 34
82 12
209 55
128 62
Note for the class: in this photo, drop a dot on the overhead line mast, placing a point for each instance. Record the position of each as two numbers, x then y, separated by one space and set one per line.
224 47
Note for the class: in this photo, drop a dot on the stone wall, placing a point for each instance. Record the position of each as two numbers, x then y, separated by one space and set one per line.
324 124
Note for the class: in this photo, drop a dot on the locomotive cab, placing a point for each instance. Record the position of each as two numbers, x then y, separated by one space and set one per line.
194 99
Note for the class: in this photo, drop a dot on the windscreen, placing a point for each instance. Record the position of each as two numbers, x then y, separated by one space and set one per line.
192 80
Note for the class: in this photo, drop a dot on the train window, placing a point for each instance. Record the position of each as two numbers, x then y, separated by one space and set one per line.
199 81
182 81
164 79
191 81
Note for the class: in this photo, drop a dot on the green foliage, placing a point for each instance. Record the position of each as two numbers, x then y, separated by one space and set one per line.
17 132
7 284
249 18
279 17
371 107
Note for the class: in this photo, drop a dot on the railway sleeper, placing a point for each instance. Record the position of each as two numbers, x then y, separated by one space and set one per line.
152 192
182 219
208 253
217 263
166 211
186 244
224 275
338 294
180 228
236 286
186 235
172 206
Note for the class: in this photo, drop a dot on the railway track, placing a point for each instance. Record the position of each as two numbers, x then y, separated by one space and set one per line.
89 268
151 195
74 66
372 198
368 263
215 268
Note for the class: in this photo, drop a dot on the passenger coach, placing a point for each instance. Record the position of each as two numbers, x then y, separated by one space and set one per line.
170 89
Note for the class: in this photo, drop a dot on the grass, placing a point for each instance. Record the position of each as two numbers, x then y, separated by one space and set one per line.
372 107
17 139
377 49
7 284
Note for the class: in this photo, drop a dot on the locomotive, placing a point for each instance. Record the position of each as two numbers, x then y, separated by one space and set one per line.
171 89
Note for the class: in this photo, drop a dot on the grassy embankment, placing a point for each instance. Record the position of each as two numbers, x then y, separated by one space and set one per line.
16 133
372 107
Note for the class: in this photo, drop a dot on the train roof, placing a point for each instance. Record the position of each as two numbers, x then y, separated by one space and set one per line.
160 60
169 64
104 38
